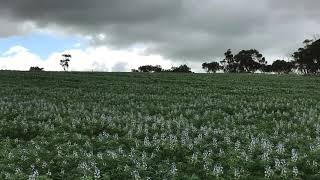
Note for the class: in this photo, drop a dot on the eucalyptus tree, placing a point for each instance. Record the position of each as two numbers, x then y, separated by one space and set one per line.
249 60
211 67
65 61
307 58
282 66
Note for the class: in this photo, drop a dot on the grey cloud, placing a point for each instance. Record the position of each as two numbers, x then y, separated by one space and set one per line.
96 66
177 29
11 28
120 67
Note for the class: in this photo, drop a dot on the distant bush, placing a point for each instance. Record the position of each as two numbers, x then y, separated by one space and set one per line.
181 69
150 68
36 69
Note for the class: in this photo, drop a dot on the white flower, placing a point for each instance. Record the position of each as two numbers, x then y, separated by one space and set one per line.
268 172
217 170
295 171
173 169
96 173
280 148
294 155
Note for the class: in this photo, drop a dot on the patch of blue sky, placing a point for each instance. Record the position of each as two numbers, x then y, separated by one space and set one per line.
42 44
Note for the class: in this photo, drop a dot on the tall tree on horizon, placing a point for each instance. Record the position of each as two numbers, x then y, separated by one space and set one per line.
249 60
65 61
307 58
245 61
228 63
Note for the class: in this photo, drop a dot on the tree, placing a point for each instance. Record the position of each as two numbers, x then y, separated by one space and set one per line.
145 68
245 61
211 67
65 61
249 60
36 69
307 58
150 68
282 66
266 68
228 63
181 69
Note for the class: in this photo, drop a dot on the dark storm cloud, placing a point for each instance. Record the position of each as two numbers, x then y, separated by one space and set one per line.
177 29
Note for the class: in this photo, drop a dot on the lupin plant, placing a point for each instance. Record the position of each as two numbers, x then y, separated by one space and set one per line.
128 127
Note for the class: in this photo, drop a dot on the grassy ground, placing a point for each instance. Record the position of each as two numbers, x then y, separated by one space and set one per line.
159 126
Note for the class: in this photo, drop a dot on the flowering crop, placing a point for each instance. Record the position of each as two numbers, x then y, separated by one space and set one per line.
158 126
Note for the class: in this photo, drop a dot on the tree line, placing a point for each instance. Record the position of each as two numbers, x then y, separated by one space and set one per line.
248 61
157 68
305 60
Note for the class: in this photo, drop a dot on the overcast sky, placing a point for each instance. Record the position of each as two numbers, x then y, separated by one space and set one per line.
117 35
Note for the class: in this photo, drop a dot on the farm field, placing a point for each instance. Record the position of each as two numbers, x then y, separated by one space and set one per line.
56 125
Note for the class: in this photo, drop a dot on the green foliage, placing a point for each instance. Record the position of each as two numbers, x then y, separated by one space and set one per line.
181 69
282 66
247 61
158 125
150 68
307 58
211 67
